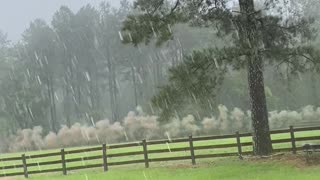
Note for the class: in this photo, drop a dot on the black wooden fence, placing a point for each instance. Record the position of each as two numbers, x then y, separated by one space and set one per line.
63 161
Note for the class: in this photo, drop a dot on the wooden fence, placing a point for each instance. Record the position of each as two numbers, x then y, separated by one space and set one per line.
62 161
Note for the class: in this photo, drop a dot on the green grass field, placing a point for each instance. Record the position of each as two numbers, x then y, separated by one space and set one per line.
226 168
217 168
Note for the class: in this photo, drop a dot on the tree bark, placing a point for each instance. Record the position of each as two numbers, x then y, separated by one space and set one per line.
112 91
133 71
67 104
314 89
52 111
259 111
252 42
115 91
78 99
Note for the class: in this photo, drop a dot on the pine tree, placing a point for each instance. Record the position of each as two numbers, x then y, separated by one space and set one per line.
259 36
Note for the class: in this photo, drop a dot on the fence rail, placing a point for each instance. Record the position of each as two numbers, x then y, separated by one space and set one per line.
104 154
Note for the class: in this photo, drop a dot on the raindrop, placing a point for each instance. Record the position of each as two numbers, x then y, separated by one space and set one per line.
140 78
169 28
31 113
89 100
168 147
46 60
120 35
73 61
39 80
10 76
83 134
177 115
87 136
28 73
216 63
198 115
96 42
36 55
75 100
144 174
39 166
192 58
130 37
151 107
299 76
194 98
154 32
72 90
83 162
40 63
163 54
151 59
125 134
165 101
93 123
210 105
168 136
64 81
64 46
56 96
88 76
97 137
117 84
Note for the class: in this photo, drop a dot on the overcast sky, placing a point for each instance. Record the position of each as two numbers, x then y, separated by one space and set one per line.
16 15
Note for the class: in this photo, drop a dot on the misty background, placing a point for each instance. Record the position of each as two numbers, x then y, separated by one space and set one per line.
16 21
66 79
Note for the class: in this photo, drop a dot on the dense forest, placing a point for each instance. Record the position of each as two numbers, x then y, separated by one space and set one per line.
78 69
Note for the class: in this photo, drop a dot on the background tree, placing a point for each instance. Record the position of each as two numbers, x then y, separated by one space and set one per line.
259 36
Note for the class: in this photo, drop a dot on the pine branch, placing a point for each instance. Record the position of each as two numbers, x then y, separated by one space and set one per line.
175 6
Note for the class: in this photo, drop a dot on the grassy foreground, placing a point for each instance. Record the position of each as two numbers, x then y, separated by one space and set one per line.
216 168
227 168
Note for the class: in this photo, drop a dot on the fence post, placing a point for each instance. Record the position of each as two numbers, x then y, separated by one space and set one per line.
193 158
239 145
63 161
104 156
293 140
25 167
145 152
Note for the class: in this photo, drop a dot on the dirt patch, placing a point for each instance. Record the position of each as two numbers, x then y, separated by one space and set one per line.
296 160
6 178
181 166
198 165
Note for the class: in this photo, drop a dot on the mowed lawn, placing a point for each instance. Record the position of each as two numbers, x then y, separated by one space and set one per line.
214 168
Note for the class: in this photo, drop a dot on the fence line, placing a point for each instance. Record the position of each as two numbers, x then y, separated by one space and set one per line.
146 152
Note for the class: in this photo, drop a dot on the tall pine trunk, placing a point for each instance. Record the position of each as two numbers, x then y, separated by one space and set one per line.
79 94
67 104
259 112
113 91
52 104
134 82
253 43
314 89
